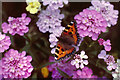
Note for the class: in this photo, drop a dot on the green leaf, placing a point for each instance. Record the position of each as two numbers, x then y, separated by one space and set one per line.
63 73
69 59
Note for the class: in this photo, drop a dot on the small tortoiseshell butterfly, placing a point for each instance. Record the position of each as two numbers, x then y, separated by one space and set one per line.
67 42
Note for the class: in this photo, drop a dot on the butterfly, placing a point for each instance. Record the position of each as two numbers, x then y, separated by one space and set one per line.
67 42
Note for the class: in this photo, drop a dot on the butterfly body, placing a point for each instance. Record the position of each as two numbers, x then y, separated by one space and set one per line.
68 39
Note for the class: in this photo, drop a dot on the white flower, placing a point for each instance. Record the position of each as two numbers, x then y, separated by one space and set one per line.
79 62
116 73
75 62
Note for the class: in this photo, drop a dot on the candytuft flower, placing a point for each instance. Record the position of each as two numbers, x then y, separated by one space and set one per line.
54 4
101 41
109 59
107 10
90 23
4 42
79 62
17 25
84 73
62 65
49 19
16 65
33 6
106 44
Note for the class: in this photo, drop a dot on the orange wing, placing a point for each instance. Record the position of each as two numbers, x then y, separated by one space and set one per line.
71 30
60 52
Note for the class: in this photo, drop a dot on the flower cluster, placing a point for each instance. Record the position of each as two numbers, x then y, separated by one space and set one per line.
54 4
56 32
84 73
33 6
109 59
17 25
49 19
79 62
90 23
4 42
62 65
16 65
107 10
106 44
116 73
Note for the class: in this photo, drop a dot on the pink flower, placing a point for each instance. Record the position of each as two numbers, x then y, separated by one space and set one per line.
16 65
84 73
4 42
107 10
17 25
107 45
90 23
101 41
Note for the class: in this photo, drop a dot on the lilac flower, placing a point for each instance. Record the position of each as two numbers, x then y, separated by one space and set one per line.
79 62
102 55
101 41
62 65
90 23
107 45
84 73
109 59
4 42
116 73
49 19
53 40
53 37
54 4
16 65
57 31
107 10
16 25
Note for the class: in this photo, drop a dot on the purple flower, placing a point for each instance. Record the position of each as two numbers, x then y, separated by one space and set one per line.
90 23
54 4
107 45
79 62
102 55
109 59
16 65
101 41
62 65
84 73
107 10
53 40
49 20
4 42
17 25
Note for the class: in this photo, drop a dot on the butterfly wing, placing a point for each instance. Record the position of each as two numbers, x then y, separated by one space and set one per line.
72 31
68 38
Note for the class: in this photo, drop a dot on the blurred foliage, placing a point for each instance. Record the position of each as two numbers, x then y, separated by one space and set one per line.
37 44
